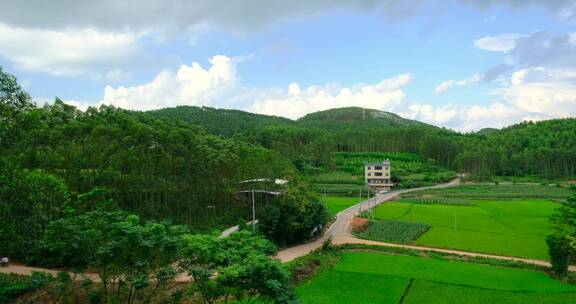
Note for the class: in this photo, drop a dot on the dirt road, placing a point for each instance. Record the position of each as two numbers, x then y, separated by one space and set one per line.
340 233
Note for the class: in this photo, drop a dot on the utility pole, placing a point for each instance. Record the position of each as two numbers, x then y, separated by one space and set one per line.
368 199
253 212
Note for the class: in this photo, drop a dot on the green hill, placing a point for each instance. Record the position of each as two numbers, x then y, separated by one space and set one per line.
220 121
356 117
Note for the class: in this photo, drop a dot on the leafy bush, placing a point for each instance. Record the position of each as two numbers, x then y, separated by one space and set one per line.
13 285
293 217
560 253
394 231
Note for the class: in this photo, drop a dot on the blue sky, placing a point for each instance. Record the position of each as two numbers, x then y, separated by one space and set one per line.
290 59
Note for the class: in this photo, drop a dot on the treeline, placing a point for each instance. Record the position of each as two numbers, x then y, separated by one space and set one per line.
546 149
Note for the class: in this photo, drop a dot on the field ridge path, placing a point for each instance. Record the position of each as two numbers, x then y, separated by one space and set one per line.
406 291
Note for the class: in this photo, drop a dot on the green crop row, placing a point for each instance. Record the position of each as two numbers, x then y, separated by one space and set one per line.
393 231
491 191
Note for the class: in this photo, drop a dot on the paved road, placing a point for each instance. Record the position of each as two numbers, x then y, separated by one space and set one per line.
233 229
340 233
339 229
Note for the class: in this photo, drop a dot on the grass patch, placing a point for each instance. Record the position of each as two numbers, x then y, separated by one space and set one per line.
350 287
495 192
442 256
509 227
308 266
338 203
370 277
337 183
451 272
393 231
426 292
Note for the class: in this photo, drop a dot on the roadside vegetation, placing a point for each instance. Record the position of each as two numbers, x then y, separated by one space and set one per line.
13 285
562 241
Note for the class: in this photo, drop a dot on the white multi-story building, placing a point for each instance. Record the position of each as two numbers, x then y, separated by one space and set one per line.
377 176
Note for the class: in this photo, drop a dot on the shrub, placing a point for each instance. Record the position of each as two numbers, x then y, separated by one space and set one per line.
12 285
560 253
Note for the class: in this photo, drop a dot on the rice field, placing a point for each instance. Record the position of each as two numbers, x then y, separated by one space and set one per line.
338 203
370 277
512 227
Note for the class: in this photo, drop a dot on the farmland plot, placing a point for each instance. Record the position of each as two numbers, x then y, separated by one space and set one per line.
513 227
368 277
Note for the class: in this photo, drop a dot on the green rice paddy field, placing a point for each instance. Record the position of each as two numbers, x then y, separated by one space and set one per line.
338 203
504 220
513 228
369 277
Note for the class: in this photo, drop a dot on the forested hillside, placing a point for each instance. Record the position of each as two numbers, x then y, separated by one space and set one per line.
546 148
57 160
156 168
220 121
355 117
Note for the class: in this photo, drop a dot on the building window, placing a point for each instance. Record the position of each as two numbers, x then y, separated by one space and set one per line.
369 168
378 174
378 168
369 174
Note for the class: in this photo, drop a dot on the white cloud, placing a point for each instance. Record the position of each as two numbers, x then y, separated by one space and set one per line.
296 102
191 85
500 43
445 85
542 92
529 94
66 52
194 85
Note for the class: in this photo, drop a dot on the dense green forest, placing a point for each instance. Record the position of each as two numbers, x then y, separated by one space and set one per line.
546 148
166 164
157 168
59 162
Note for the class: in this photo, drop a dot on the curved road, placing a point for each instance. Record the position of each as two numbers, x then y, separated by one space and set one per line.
340 233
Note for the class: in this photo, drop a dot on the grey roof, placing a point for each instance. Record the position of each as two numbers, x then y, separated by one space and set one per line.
386 162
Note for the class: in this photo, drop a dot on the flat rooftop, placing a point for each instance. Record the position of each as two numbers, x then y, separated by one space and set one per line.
386 162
